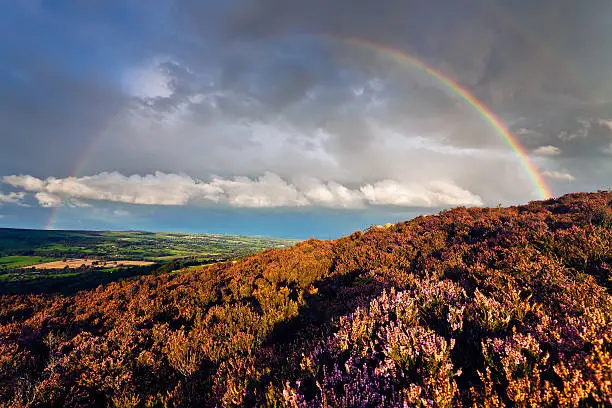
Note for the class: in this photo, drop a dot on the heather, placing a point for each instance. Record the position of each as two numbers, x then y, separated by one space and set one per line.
472 307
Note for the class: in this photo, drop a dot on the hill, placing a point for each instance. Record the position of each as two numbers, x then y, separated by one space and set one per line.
485 307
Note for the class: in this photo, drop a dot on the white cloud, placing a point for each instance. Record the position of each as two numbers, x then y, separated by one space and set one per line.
158 188
556 175
48 200
12 198
266 191
330 194
547 151
440 193
606 122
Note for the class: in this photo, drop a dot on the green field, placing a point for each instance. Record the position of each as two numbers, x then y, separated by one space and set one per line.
20 261
25 247
20 249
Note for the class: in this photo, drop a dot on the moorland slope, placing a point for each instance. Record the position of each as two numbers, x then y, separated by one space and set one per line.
485 307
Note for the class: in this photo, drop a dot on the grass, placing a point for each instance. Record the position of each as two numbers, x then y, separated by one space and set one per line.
129 245
20 261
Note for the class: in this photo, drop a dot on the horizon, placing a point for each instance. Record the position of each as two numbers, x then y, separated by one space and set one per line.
222 229
138 231
228 117
305 226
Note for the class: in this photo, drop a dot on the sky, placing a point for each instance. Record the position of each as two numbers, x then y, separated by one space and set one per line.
296 118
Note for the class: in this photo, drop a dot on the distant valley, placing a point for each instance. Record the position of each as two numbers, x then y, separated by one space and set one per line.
64 261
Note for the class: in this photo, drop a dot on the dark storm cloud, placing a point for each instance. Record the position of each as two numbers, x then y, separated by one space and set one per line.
547 62
516 48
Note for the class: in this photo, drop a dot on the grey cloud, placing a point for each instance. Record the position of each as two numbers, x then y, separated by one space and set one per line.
545 61
273 91
354 141
49 120
518 57
501 48
573 136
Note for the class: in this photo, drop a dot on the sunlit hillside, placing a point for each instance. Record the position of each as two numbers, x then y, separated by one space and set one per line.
484 307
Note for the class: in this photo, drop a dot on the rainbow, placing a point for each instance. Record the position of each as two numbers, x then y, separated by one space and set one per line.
80 165
52 217
403 57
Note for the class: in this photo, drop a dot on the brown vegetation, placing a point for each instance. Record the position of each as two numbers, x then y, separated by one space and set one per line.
475 307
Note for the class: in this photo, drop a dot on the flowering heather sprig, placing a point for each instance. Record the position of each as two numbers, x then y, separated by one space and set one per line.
380 356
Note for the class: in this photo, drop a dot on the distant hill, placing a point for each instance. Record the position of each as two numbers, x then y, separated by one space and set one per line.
479 306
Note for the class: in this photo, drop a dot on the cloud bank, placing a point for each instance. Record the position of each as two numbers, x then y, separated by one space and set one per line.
267 191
